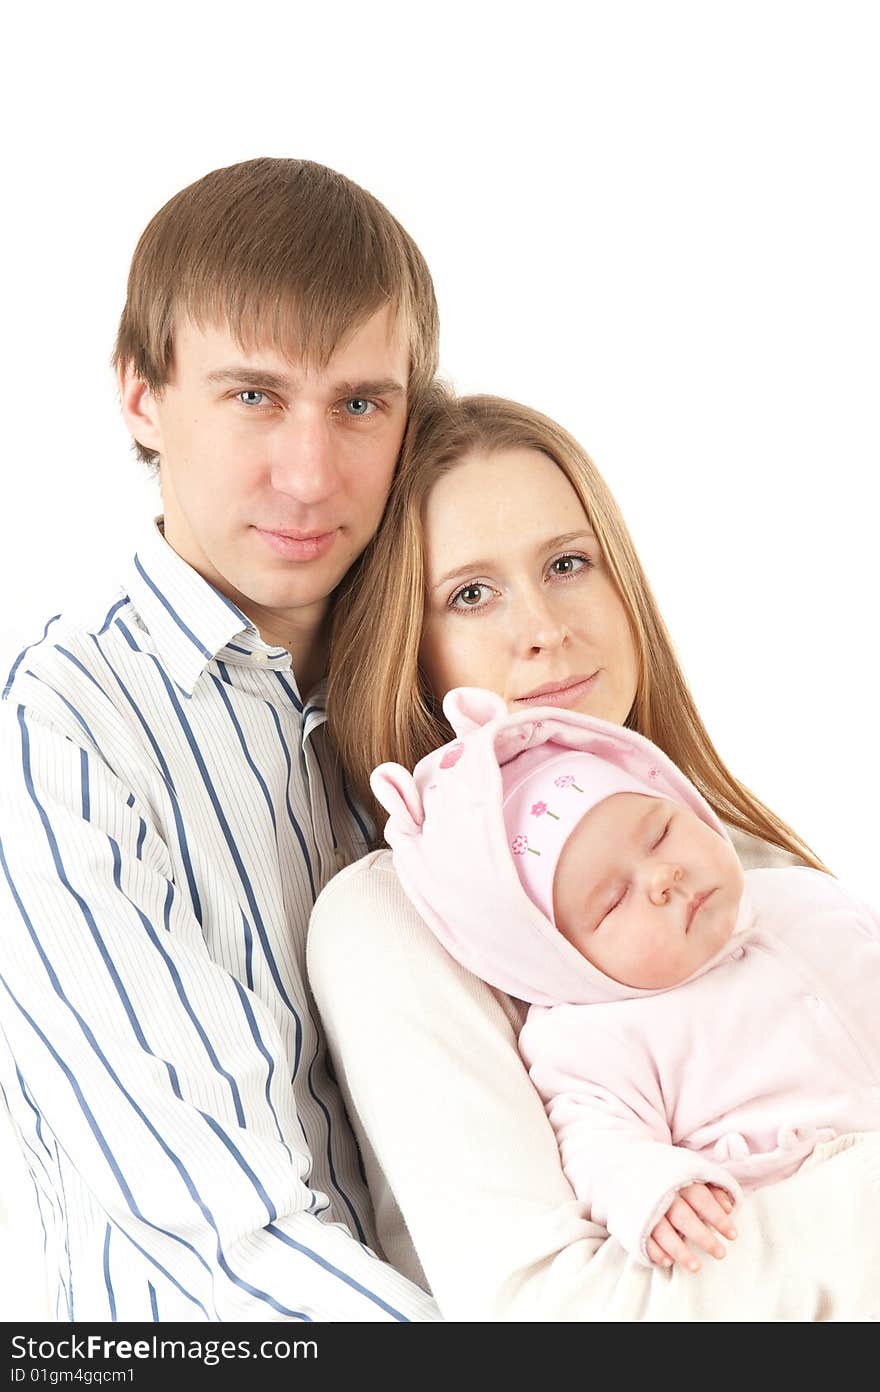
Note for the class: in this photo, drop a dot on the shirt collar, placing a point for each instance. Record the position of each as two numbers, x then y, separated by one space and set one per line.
190 621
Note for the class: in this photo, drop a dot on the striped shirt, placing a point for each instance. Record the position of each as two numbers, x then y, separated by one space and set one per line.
169 810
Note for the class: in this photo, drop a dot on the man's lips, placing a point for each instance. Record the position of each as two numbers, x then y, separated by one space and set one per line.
298 533
558 688
299 545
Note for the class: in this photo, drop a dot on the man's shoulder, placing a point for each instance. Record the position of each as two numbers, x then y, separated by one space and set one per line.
68 663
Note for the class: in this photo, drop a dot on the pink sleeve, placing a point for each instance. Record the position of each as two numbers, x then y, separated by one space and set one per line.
606 1108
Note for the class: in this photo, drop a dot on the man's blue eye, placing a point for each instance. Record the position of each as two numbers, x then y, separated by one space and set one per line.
358 406
251 398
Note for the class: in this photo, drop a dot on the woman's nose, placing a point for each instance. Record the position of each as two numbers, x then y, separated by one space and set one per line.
541 627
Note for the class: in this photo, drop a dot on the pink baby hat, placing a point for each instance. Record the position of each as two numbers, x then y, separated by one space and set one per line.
547 791
449 836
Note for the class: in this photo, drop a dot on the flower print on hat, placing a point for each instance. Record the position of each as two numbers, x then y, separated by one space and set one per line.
556 788
566 780
520 844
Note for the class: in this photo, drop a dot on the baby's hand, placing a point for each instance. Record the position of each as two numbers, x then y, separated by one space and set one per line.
692 1215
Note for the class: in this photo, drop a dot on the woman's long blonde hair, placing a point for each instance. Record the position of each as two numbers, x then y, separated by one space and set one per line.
379 705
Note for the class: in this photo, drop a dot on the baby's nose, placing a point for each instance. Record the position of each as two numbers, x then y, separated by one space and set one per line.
664 876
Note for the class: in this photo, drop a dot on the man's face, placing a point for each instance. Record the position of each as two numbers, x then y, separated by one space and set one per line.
274 477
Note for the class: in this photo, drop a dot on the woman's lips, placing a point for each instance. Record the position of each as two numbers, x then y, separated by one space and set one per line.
299 547
565 693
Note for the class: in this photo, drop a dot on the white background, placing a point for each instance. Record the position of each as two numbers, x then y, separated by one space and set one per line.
657 222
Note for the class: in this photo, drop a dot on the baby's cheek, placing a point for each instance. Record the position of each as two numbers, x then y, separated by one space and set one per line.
656 963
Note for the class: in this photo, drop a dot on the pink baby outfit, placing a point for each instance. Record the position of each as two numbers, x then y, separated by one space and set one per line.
731 1077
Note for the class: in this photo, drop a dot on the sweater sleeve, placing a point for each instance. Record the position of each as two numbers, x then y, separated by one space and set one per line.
606 1108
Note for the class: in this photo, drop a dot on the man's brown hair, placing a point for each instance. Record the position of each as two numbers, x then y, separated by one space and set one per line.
286 253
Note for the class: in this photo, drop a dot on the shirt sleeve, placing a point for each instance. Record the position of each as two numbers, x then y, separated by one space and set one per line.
606 1108
163 1080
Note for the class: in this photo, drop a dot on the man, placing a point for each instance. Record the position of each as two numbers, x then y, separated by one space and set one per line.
169 805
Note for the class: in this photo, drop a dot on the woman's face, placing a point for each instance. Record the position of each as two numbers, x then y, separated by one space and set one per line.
518 596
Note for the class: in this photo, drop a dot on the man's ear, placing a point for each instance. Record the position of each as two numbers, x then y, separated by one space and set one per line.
139 408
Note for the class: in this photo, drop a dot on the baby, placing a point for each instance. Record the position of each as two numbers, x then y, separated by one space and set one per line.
695 1030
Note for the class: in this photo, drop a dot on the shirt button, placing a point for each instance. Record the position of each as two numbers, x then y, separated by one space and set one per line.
261 658
737 953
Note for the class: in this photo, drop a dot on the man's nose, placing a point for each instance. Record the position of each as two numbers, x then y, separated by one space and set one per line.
304 463
662 878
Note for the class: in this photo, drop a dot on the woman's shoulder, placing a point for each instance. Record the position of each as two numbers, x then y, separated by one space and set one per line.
756 854
363 902
363 917
373 875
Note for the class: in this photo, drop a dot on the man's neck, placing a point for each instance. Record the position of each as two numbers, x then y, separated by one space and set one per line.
308 648
304 633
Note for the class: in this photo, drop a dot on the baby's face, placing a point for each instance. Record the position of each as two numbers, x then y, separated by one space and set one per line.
646 891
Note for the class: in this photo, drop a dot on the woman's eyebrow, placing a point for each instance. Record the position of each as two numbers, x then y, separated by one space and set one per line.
567 539
469 568
550 544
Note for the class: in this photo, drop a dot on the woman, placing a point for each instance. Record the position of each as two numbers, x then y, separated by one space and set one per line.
503 562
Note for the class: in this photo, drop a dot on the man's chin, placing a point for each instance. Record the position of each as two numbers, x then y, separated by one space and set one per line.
284 599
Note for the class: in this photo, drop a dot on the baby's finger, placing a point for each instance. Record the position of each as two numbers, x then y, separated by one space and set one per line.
701 1199
670 1242
691 1226
722 1196
656 1253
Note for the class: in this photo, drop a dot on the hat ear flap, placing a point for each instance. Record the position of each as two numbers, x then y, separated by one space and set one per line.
470 707
395 789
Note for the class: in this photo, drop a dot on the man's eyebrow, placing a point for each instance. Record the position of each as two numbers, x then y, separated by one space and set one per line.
277 381
228 376
550 544
381 386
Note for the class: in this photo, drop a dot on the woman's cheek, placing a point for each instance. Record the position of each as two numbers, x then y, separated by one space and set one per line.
445 658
